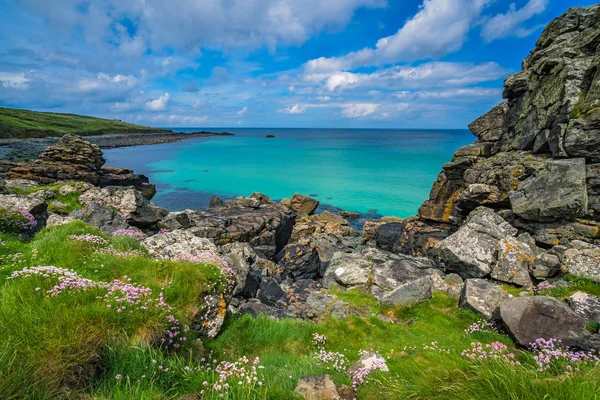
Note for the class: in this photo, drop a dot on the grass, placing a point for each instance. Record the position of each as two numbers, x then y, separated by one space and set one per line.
16 123
72 345
70 201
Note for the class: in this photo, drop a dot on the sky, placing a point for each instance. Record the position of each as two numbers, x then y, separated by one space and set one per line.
268 63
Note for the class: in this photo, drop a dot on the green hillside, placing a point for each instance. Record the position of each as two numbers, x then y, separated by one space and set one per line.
15 123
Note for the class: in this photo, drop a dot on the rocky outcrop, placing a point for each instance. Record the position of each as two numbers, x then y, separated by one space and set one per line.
324 225
537 153
256 220
104 218
178 244
73 158
529 318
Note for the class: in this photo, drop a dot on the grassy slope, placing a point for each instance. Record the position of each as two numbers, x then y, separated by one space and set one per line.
15 123
72 344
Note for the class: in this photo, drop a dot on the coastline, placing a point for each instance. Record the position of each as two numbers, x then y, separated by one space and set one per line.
28 149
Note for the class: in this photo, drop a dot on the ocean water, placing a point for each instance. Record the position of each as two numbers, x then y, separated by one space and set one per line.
372 171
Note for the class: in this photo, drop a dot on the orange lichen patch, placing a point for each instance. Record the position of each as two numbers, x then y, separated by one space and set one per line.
448 208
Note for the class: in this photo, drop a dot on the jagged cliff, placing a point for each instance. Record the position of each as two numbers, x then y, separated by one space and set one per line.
537 157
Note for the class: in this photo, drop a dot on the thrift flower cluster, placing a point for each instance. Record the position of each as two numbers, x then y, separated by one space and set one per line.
337 361
551 353
481 326
360 375
88 238
204 258
492 351
122 294
16 221
130 233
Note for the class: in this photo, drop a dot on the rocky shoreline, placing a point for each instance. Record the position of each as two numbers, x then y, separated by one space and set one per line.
517 211
28 149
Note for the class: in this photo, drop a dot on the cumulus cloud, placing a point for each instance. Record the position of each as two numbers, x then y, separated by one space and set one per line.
196 24
14 81
295 109
242 111
439 28
360 110
433 74
509 24
159 104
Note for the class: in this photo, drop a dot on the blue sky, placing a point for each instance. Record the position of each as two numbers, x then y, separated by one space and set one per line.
268 63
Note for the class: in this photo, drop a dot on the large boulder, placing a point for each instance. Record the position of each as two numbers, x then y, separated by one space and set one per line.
31 206
104 218
316 388
178 245
554 192
472 250
402 280
348 270
388 234
128 201
324 225
299 260
241 258
583 260
529 318
371 227
256 220
481 296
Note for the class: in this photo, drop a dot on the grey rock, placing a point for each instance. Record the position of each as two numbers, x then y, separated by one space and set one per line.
491 126
481 296
270 291
515 259
256 308
557 191
583 260
316 388
388 234
299 260
131 204
342 310
177 245
529 318
348 270
472 250
545 266
585 305
317 304
104 218
240 257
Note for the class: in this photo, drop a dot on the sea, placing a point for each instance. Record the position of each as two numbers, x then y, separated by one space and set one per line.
376 172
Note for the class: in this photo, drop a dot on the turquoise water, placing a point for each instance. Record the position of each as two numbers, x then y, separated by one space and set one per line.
375 172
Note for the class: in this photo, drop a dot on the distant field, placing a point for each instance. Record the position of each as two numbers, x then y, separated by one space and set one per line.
15 123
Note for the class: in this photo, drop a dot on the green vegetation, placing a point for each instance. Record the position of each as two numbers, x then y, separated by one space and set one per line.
72 344
15 123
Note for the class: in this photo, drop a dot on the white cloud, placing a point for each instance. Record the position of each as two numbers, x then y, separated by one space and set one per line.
197 24
433 74
242 111
295 109
450 94
159 104
439 28
360 110
509 24
104 82
14 81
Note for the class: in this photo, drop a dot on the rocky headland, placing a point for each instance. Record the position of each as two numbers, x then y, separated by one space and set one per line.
515 212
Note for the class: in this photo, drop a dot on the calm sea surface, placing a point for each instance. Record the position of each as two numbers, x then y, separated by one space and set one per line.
372 171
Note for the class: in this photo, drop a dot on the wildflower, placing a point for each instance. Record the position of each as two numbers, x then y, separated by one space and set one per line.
118 377
129 232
